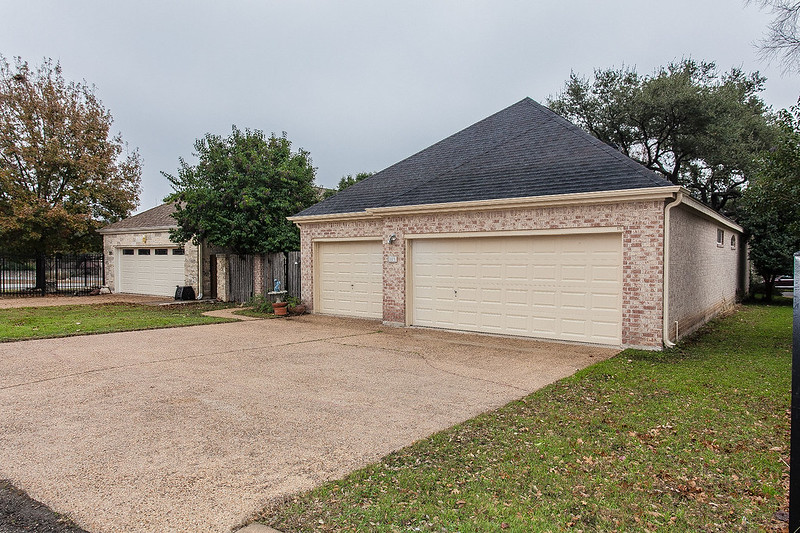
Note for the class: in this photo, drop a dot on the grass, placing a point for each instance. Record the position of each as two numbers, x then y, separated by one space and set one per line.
68 320
695 438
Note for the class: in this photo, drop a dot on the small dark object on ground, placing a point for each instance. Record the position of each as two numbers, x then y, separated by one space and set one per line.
184 293
20 513
782 516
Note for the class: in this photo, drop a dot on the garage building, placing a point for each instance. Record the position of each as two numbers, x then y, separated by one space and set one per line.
140 258
523 224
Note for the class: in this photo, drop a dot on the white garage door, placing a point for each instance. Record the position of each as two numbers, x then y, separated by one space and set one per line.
565 287
350 278
154 271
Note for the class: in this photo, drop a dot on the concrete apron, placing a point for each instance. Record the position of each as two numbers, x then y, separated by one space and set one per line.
196 428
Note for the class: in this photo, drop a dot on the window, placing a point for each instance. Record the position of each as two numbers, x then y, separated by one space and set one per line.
127 251
177 251
720 238
144 251
161 251
733 242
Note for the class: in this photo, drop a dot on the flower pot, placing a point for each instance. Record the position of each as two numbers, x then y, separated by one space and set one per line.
297 309
279 308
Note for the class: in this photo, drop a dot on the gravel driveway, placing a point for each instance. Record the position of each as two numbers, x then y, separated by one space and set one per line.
194 429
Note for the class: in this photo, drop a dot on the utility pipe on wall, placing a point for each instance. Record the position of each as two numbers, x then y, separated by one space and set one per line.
665 295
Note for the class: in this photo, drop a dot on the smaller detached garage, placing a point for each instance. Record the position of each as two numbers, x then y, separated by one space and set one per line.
140 258
523 224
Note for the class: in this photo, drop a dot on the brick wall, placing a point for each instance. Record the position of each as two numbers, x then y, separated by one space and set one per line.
704 277
642 233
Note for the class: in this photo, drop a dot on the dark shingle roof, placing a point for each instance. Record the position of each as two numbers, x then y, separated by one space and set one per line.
157 217
524 150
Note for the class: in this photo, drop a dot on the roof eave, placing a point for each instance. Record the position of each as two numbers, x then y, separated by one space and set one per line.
620 195
112 231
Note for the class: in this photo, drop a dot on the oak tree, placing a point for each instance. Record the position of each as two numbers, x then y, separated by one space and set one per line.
769 210
63 174
686 121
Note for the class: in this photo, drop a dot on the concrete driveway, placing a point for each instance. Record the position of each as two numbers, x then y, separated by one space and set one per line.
194 429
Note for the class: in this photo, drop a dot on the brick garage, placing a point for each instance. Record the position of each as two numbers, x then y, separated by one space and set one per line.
511 205
141 259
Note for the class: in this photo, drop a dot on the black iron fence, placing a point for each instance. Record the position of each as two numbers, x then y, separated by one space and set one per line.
55 274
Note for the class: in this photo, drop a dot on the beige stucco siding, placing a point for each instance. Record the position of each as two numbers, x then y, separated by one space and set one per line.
639 222
114 243
703 277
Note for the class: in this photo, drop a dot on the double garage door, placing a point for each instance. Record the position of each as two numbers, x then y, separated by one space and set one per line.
564 287
155 271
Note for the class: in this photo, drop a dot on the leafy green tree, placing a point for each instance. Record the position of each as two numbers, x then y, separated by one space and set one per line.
770 211
346 182
696 127
62 173
241 191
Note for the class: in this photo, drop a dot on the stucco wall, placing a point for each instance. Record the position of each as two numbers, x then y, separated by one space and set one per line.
642 232
113 243
703 277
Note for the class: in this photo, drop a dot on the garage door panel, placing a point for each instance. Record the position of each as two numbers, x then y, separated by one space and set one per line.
561 287
351 278
146 272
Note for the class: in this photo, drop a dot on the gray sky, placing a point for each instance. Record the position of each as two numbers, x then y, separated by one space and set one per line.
359 84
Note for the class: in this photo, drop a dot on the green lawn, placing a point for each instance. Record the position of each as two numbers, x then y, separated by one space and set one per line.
692 439
62 321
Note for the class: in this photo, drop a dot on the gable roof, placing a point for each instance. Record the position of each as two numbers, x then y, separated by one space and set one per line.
522 151
159 217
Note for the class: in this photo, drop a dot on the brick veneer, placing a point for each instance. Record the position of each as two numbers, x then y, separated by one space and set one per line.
642 224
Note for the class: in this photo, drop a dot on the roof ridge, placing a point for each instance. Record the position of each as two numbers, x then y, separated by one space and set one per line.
472 157
577 131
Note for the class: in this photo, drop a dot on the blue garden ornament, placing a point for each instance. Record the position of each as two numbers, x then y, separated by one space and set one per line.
277 285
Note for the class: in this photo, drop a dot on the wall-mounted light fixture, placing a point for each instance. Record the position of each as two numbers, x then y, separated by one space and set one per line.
391 238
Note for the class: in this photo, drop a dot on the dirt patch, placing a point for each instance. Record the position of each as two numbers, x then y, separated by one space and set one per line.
20 513
47 301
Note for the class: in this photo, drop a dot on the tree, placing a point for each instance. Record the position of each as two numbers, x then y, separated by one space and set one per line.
769 211
694 126
241 191
346 182
782 40
62 173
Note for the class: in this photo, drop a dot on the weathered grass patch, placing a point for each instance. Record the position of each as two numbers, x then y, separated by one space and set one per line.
692 439
62 321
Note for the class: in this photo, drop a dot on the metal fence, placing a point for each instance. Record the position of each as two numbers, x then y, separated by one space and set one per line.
55 274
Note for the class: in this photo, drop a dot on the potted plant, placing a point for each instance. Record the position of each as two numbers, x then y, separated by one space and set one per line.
296 307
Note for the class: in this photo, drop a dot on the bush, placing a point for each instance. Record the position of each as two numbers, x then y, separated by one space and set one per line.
260 304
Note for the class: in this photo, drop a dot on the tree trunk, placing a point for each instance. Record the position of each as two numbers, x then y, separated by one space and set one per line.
41 273
769 286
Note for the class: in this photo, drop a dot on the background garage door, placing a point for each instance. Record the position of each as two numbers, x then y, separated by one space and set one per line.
351 278
566 287
154 271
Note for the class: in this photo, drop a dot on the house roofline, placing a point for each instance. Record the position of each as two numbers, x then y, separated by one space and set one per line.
148 229
707 212
620 195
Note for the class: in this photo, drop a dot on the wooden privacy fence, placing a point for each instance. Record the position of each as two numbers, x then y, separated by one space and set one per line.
249 275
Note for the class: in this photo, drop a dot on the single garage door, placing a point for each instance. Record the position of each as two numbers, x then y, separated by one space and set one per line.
350 278
154 271
565 287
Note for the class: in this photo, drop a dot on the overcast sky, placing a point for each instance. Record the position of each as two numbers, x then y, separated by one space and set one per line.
359 84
